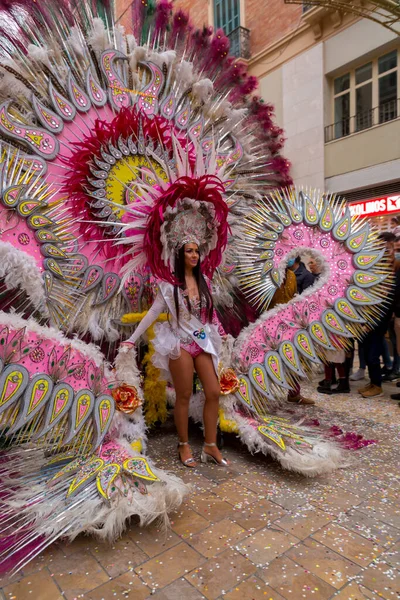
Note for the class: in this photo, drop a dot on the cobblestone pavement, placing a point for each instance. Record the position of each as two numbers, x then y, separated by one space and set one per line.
253 531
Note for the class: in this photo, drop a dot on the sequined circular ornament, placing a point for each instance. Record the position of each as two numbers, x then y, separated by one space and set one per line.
253 352
24 239
313 306
298 234
80 372
332 290
342 264
36 355
324 243
126 399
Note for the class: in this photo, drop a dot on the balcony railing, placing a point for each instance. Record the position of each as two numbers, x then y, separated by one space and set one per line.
240 42
363 120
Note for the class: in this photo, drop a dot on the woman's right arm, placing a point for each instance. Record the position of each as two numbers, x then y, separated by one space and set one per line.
156 309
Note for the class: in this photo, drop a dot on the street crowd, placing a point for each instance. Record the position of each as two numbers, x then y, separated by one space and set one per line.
378 352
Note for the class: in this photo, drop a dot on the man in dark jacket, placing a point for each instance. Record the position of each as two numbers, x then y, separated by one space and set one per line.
374 340
303 276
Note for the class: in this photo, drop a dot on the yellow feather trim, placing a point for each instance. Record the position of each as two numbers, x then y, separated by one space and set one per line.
227 425
137 446
154 389
137 317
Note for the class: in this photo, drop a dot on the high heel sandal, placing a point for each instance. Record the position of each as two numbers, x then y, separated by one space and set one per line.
205 458
189 462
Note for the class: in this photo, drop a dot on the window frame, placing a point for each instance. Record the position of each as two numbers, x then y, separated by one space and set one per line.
236 20
376 76
357 86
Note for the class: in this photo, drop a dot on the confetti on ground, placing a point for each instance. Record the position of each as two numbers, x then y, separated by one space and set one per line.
252 531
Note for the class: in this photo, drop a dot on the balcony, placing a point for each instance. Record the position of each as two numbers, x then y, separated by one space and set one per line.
363 120
240 43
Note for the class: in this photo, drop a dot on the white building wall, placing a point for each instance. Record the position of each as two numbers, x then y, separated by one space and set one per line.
300 91
271 91
348 46
375 175
303 116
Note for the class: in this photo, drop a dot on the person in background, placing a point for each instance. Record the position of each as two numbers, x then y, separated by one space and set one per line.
303 276
388 363
287 291
395 226
315 266
339 362
360 374
394 374
396 304
390 371
374 340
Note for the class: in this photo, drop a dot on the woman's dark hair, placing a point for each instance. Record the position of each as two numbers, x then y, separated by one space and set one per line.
204 292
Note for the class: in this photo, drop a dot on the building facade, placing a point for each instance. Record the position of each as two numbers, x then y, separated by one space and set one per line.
334 81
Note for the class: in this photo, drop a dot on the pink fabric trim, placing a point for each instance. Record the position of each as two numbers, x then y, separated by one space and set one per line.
193 349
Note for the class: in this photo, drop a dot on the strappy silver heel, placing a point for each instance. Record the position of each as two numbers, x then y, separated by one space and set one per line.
205 458
189 462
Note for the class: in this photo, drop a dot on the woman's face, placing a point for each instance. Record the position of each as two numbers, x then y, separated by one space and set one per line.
192 255
313 266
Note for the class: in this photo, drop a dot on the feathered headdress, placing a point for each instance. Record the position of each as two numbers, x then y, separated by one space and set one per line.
191 210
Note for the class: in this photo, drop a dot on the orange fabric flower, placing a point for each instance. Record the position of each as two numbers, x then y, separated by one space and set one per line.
126 398
228 382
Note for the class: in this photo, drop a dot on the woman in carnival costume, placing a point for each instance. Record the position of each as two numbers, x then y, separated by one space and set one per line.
191 339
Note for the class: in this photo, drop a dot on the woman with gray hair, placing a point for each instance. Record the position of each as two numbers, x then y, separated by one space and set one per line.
315 266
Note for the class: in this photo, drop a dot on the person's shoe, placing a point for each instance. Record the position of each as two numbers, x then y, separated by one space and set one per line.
342 387
325 386
360 374
389 376
323 381
365 388
190 462
393 376
395 396
385 372
206 457
300 400
373 392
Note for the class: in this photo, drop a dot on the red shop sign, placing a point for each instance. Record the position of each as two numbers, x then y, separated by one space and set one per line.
377 206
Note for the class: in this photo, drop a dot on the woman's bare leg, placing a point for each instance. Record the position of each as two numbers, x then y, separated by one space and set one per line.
206 372
182 377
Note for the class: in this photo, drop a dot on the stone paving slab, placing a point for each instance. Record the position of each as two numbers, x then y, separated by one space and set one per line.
252 531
